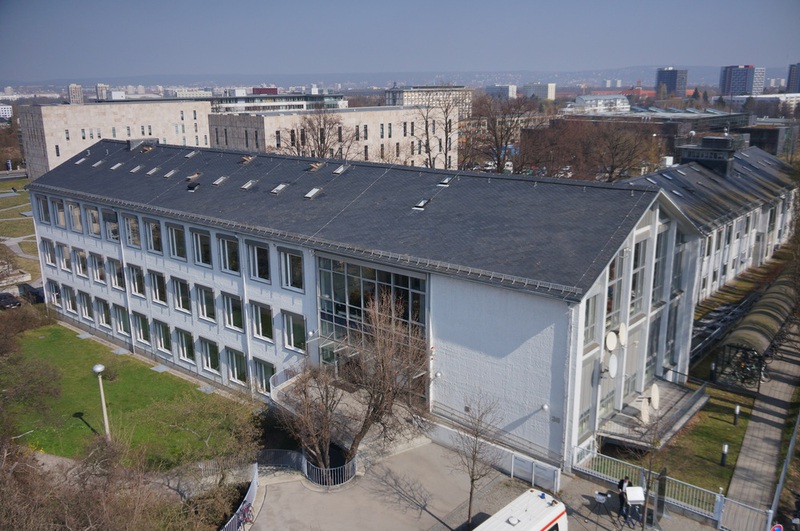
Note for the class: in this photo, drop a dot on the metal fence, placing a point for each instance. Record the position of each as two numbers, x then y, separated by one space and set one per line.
325 477
711 505
239 516
776 499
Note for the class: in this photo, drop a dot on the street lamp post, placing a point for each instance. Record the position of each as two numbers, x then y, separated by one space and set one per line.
98 370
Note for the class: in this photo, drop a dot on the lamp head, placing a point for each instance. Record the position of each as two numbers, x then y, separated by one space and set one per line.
99 368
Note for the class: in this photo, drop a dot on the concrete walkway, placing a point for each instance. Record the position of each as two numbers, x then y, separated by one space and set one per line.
755 477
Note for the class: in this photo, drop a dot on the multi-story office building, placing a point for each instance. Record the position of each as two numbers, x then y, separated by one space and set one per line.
673 81
742 79
52 134
503 92
793 79
75 94
263 100
6 111
543 91
442 96
397 135
598 103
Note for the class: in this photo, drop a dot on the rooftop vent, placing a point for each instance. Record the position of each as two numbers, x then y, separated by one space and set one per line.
422 204
153 171
147 149
192 154
117 165
80 160
315 166
247 158
446 181
170 173
193 176
136 168
98 163
278 189
249 184
312 193
341 169
192 187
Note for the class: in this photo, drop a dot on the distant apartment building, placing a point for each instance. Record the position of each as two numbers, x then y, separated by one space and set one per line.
395 135
265 99
598 103
432 96
102 90
782 102
502 92
793 83
742 79
6 112
186 93
75 94
51 134
673 81
543 91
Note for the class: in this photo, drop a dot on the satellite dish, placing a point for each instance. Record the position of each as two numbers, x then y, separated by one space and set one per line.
611 341
613 365
655 398
622 334
645 413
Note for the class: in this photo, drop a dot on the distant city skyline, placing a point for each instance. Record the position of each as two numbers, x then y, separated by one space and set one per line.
46 40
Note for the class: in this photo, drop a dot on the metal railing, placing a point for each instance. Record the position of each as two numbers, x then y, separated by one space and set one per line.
785 469
279 379
247 503
331 477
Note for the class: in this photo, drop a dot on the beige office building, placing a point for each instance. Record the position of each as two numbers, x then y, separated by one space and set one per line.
51 134
394 135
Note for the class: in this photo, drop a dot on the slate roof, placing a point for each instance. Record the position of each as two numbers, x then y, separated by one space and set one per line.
710 200
553 237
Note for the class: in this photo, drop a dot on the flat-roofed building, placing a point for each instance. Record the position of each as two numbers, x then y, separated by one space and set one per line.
441 96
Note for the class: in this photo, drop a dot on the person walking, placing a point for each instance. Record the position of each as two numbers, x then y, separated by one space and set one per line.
624 507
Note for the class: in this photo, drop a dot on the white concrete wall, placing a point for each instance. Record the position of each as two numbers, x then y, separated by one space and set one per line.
509 346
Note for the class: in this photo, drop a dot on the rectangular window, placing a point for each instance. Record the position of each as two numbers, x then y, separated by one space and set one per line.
87 311
412 128
202 248
263 372
389 127
81 263
53 293
365 132
66 134
113 132
153 234
357 133
42 209
183 297
339 133
590 321
132 235
614 301
142 328
137 280
277 139
158 287
382 132
366 152
292 270
111 225
262 320
177 241
229 255
292 138
128 130
93 221
294 331
98 268
233 312
659 268
70 304
185 345
116 273
64 258
163 337
637 278
237 366
206 308
123 323
259 262
103 313
209 351
58 208
49 252
75 219
83 134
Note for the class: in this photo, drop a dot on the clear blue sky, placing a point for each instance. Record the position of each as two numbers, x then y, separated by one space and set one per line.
48 39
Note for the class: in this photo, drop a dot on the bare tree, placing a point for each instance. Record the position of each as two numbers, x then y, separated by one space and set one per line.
438 131
501 122
8 262
318 133
617 149
474 454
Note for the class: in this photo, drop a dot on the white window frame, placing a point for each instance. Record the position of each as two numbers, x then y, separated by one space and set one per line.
201 241
237 365
54 293
116 273
153 229
75 219
288 279
257 268
87 310
138 284
110 225
290 338
133 232
163 336
257 310
64 258
98 268
177 234
208 357
103 313
143 333
202 303
59 215
185 344
158 290
93 221
229 261
49 252
122 320
230 314
43 209
262 370
180 288
81 262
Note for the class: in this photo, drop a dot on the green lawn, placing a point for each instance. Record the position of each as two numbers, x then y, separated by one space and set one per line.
29 247
15 212
18 200
6 186
16 228
693 456
132 390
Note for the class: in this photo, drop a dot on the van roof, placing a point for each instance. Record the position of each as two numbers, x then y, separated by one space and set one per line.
533 510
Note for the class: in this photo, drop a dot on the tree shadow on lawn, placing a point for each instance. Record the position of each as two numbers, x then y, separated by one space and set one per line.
79 415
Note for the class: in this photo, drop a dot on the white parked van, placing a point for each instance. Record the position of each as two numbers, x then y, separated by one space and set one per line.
533 510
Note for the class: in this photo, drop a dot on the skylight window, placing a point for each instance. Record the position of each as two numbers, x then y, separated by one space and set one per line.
681 172
446 181
96 164
192 187
249 184
80 160
153 171
117 165
421 204
192 154
341 169
677 193
312 193
170 174
135 169
666 176
651 180
220 180
278 189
